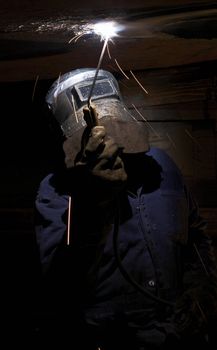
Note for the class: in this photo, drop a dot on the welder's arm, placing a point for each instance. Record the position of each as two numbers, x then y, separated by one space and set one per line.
50 221
93 183
196 309
62 265
90 224
96 179
99 168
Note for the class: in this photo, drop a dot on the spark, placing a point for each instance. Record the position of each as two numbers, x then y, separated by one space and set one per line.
173 143
145 120
193 138
139 82
111 41
34 88
121 69
75 36
121 83
201 311
108 51
79 36
114 68
73 104
105 30
131 115
201 260
83 30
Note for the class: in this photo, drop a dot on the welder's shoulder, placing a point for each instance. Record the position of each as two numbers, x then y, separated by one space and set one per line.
48 191
164 159
46 186
172 177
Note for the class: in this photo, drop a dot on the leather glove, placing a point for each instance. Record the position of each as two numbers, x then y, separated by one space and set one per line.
100 165
101 158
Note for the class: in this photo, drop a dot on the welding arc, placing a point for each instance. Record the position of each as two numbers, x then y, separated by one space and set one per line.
97 71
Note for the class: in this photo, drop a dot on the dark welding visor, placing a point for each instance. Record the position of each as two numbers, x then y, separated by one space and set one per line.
103 88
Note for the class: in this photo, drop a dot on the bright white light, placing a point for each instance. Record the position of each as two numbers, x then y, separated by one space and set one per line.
105 29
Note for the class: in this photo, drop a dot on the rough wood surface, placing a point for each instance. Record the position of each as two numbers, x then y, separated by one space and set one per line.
35 37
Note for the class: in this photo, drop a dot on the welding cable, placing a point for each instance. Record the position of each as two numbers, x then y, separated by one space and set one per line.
122 269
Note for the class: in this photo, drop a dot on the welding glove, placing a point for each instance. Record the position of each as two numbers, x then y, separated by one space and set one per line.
100 165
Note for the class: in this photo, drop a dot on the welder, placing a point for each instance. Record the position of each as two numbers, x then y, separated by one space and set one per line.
123 248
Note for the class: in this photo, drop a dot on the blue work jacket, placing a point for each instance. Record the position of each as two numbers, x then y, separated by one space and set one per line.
151 241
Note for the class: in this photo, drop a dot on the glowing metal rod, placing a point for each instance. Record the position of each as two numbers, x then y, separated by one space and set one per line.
201 260
151 127
33 93
97 70
172 142
121 69
109 55
138 82
69 221
193 139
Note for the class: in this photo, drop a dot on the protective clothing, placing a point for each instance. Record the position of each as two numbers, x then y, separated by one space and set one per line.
99 167
157 228
69 95
101 157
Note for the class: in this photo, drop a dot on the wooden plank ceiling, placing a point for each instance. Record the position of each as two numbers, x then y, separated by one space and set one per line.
158 34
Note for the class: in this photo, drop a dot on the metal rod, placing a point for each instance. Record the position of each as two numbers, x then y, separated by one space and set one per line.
69 221
97 71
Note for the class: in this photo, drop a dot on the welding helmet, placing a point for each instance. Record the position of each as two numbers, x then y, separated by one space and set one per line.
70 94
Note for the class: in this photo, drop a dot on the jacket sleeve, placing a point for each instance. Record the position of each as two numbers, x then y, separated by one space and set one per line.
50 220
200 263
197 307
